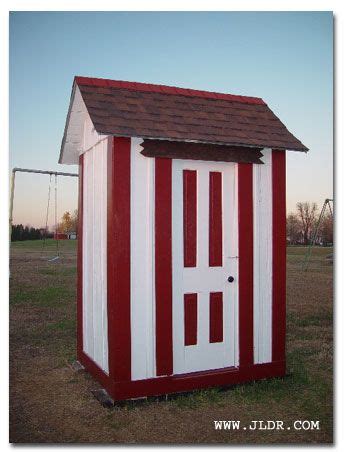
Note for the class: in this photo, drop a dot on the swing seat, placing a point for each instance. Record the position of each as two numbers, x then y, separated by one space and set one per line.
54 259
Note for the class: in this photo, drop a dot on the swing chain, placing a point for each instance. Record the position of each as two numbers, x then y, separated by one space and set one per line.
56 225
47 219
47 216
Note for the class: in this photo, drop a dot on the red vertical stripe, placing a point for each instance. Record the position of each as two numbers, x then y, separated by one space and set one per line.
190 217
216 317
118 263
215 219
80 264
190 319
245 220
278 255
163 265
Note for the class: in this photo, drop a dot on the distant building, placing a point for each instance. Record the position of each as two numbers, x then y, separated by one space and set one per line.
60 236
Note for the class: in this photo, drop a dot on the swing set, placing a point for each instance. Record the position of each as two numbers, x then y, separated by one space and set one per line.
327 203
51 174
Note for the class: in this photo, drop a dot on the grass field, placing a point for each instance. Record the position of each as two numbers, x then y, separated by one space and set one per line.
49 402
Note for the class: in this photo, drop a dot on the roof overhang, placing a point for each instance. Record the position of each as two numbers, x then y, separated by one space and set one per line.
76 138
102 108
72 137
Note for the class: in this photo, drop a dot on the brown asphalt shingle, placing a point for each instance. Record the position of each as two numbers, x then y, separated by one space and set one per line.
154 111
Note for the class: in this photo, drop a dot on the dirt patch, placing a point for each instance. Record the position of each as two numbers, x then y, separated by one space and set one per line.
51 403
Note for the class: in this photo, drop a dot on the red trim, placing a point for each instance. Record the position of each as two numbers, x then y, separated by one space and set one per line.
97 372
190 217
118 266
197 380
163 265
245 220
215 317
215 219
190 319
278 255
148 87
79 258
181 383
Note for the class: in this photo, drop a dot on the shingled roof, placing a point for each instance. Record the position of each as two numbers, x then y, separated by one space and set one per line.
163 112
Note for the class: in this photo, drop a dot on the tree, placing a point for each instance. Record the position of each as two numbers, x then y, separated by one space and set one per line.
326 229
27 233
294 229
15 233
307 213
66 224
75 221
20 230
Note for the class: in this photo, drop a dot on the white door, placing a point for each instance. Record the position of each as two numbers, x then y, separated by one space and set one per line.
205 265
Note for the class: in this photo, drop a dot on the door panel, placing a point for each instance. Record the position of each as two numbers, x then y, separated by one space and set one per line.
204 255
215 317
190 217
190 318
215 219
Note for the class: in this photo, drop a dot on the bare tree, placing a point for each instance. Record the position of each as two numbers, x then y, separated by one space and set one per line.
307 213
326 229
294 229
75 220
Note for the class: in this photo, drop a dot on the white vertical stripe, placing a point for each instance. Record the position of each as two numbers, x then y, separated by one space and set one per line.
88 279
262 252
103 242
177 267
95 343
230 233
85 266
142 301
202 217
202 255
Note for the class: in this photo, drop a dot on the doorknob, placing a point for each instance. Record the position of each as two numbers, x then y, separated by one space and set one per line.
230 279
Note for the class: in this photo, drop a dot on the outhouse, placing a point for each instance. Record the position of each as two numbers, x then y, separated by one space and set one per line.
181 236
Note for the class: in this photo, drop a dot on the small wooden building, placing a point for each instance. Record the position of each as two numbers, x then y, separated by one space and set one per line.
181 253
60 236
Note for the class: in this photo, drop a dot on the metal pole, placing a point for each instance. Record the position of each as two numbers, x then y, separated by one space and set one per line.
11 203
55 173
329 206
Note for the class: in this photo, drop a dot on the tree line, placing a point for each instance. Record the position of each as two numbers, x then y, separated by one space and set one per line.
67 224
301 225
20 232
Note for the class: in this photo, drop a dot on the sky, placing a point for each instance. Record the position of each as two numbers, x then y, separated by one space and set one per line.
284 57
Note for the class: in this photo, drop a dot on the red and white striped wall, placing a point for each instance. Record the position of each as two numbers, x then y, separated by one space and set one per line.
181 280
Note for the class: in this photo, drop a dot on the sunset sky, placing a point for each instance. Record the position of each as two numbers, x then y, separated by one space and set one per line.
283 57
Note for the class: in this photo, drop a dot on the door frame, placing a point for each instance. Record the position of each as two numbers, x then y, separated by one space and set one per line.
231 243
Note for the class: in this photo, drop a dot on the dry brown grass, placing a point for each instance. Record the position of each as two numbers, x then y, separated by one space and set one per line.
49 402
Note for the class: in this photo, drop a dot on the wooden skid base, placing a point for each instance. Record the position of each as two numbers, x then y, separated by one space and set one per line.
125 390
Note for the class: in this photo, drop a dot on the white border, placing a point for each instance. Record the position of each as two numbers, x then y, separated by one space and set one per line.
225 5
